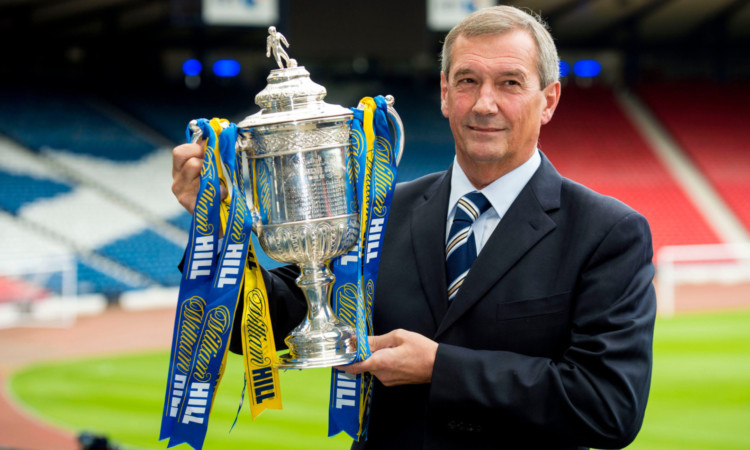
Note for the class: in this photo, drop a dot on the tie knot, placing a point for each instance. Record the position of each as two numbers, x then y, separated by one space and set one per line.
471 206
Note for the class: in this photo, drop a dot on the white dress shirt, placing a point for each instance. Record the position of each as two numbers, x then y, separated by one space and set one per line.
501 193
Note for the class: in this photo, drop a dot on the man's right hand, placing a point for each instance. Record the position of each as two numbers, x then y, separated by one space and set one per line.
187 160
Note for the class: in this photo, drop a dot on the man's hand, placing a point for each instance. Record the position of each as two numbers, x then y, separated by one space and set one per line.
399 357
187 160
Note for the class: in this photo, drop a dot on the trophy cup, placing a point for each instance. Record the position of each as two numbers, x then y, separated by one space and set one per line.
302 197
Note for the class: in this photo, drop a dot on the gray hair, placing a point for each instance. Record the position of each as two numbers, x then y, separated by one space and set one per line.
502 19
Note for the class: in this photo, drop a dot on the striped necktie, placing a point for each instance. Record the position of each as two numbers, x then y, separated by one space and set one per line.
461 249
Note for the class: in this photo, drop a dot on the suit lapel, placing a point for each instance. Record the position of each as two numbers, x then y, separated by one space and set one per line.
428 240
525 223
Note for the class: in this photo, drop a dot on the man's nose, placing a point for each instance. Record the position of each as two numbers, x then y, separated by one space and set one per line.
486 102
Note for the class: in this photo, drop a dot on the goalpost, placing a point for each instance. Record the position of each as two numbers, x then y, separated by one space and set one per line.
38 291
715 264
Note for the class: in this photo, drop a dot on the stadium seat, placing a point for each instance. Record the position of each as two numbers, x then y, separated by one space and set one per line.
17 190
64 121
709 120
591 141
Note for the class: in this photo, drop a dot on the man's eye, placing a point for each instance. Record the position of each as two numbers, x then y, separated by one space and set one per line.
466 81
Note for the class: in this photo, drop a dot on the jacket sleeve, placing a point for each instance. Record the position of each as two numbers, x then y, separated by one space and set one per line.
286 304
596 393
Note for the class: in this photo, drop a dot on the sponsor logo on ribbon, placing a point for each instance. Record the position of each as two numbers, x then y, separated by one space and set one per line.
209 292
374 165
214 278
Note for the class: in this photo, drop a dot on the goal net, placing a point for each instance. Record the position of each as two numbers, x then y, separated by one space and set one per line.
38 291
695 277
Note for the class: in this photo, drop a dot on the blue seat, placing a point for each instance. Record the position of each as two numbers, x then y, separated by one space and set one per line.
65 122
148 253
19 190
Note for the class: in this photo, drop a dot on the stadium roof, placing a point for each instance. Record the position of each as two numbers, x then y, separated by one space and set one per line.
571 20
103 30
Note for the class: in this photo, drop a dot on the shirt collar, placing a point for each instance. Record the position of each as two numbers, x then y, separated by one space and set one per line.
502 192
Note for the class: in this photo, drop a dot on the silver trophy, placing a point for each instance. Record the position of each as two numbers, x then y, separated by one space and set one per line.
302 197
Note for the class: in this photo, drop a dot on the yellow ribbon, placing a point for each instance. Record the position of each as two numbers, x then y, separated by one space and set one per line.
259 349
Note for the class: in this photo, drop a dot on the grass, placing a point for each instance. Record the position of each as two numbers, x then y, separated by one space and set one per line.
700 392
121 398
700 395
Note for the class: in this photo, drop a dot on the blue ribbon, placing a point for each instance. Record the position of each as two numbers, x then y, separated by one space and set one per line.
199 267
356 272
190 392
211 284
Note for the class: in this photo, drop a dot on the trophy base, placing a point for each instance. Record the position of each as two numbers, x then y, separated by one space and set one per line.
322 339
287 361
307 351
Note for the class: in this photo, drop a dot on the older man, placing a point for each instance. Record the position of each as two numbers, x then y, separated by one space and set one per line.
545 340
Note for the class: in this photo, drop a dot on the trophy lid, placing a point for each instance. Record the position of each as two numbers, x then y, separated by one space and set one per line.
290 94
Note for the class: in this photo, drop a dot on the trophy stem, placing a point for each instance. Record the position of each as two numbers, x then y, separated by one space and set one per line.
322 339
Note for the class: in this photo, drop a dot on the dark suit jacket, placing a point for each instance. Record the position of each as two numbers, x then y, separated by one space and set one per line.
549 341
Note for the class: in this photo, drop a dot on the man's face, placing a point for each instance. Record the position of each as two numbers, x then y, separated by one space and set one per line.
493 101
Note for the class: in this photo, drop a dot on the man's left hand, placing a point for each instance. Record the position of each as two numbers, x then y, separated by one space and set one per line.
399 357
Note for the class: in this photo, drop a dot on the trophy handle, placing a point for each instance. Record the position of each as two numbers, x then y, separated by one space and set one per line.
197 134
243 147
398 126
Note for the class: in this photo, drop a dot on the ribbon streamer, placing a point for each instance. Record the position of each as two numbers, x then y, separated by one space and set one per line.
356 272
214 278
209 290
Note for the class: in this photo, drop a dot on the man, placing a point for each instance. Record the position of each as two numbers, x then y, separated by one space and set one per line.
547 341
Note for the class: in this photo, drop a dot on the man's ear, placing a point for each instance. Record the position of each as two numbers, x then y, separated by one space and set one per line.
443 93
551 97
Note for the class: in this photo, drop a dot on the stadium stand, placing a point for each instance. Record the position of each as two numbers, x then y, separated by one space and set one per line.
26 177
59 120
429 144
17 190
19 242
142 185
181 220
709 120
29 249
591 141
79 182
99 187
169 111
148 253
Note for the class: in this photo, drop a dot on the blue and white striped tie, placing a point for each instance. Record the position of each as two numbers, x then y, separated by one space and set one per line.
461 249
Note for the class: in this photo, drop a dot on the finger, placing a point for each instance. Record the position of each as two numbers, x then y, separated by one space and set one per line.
183 153
186 183
188 177
355 368
190 171
388 340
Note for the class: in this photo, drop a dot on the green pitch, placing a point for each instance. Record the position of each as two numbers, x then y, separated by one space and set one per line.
700 396
700 391
122 398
